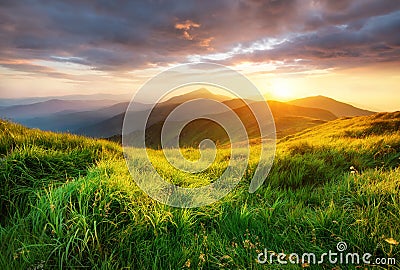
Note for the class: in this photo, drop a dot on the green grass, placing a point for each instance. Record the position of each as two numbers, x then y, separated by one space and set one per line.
70 202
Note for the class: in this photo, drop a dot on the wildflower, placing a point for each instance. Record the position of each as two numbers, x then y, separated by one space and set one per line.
392 241
201 257
187 264
304 265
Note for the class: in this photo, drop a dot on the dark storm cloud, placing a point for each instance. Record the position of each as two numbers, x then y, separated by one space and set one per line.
376 41
126 35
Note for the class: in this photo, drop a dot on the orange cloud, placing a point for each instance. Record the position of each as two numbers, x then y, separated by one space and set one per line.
186 26
206 43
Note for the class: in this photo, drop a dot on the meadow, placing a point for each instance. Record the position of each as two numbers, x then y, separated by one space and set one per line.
69 202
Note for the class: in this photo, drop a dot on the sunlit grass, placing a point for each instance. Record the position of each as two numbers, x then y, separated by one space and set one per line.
69 201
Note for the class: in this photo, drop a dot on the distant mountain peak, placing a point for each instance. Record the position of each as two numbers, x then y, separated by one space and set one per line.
202 90
199 93
336 107
318 97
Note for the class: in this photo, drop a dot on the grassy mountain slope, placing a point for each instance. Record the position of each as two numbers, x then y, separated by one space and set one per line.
336 107
69 201
280 109
288 120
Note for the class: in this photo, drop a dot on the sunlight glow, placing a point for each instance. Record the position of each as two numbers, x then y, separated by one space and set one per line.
281 89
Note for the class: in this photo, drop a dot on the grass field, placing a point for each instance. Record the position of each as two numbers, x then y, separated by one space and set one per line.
70 202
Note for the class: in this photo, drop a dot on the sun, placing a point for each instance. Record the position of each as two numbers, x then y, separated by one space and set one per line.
281 89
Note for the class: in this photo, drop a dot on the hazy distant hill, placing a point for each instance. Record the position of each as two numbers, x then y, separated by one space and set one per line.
5 102
113 125
104 128
52 106
72 121
336 107
67 121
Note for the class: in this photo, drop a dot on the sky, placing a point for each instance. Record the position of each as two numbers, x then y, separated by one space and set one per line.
344 49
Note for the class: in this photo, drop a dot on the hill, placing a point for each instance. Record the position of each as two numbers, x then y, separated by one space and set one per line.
283 114
49 107
113 125
199 93
72 121
288 119
336 107
69 201
280 109
6 102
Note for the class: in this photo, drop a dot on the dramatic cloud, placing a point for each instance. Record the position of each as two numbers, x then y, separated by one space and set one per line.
128 35
185 27
331 46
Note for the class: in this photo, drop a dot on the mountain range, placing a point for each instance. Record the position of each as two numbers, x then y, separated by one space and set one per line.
5 102
52 106
104 117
